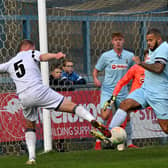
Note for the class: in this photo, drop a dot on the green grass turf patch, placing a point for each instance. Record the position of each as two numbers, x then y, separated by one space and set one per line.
149 157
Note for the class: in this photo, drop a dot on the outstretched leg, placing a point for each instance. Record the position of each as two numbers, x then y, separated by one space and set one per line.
68 106
125 107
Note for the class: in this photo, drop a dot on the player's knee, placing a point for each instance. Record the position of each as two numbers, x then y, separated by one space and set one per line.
30 124
104 117
164 125
165 130
105 114
125 105
129 105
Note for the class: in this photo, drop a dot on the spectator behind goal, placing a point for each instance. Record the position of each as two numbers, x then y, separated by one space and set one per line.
58 83
68 73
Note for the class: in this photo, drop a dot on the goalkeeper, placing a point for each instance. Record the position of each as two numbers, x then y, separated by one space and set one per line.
115 63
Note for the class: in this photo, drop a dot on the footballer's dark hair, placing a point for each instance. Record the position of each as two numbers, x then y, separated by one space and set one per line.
56 66
24 43
154 31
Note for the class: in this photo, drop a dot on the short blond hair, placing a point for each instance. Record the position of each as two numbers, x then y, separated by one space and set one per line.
25 42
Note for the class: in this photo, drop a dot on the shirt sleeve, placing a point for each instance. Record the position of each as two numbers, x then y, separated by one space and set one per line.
162 54
36 55
124 80
100 66
161 60
4 67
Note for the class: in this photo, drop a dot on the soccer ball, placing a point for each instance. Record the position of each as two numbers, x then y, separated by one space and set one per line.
118 135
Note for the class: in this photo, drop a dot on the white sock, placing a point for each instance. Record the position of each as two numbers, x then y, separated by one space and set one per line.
118 118
128 130
30 137
98 140
81 112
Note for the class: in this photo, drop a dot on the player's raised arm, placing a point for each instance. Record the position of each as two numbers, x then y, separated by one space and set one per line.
49 56
124 80
156 67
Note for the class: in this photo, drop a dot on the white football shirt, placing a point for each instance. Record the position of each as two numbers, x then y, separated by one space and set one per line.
24 69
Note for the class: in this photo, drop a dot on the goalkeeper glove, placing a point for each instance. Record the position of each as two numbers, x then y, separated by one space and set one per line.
109 102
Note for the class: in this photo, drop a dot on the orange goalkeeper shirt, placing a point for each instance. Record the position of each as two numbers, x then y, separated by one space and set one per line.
135 73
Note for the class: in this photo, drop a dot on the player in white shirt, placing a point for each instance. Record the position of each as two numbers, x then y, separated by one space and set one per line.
25 72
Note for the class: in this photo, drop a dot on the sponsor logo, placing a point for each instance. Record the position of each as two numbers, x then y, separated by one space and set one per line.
146 122
11 117
119 66
13 106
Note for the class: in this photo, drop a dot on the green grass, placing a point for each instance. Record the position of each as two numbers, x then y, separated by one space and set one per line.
149 157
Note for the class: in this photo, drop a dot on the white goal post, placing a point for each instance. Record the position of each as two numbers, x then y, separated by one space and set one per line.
45 71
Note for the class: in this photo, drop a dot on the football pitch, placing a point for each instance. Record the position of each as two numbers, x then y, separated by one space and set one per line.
149 157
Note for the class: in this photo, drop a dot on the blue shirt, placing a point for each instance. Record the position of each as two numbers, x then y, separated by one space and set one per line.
157 84
115 68
72 77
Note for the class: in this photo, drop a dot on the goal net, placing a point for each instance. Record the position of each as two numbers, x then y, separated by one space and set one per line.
82 30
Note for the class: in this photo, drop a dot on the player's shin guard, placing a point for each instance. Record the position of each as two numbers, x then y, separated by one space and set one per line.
30 137
81 112
118 118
